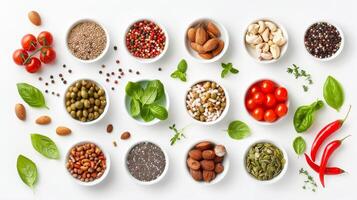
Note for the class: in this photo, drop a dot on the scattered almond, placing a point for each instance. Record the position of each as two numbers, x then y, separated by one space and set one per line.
43 120
63 131
110 128
125 135
34 18
20 111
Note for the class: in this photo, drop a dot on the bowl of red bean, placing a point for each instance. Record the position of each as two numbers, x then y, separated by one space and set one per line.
87 163
146 40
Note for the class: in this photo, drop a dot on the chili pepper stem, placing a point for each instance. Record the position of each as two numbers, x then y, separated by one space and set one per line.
348 112
344 138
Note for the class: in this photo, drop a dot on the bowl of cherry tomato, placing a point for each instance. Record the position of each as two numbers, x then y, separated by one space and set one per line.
266 101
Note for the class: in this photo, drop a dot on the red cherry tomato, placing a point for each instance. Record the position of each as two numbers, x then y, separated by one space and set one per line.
45 38
47 55
267 86
33 65
19 56
281 109
270 116
252 90
281 94
29 42
258 114
258 98
250 104
270 100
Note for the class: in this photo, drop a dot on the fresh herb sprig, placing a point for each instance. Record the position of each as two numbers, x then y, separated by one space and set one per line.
300 73
180 72
178 134
228 67
309 183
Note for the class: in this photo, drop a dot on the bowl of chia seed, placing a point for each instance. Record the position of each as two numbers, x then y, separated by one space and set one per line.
146 162
323 41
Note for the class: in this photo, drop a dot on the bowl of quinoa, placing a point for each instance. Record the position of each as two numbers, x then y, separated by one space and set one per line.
207 102
87 40
146 40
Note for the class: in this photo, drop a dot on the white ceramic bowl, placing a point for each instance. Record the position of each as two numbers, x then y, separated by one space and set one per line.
106 46
158 179
96 181
251 51
224 36
220 176
147 60
338 52
225 111
263 122
105 109
165 101
276 178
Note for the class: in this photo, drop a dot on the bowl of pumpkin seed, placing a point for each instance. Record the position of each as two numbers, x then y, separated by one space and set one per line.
265 161
86 101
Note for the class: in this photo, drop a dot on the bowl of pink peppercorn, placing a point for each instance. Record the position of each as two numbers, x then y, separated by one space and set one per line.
146 40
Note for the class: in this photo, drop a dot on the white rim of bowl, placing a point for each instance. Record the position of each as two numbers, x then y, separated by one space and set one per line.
147 60
159 178
263 122
96 181
100 116
338 52
223 114
283 171
283 49
154 121
219 177
223 31
106 35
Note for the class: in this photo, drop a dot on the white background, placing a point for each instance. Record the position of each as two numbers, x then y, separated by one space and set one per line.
57 16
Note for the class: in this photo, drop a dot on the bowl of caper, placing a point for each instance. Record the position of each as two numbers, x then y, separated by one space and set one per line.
86 101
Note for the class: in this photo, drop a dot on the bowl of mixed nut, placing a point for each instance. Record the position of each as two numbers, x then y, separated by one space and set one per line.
207 102
265 161
86 101
265 40
207 162
87 163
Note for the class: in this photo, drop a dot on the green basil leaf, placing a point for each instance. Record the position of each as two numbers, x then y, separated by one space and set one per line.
45 146
299 145
182 66
146 114
31 95
27 170
133 90
175 74
182 77
333 93
304 116
149 95
159 86
238 130
224 73
134 107
158 111
234 70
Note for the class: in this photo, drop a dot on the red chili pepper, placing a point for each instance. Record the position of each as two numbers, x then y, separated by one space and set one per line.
328 170
324 133
329 149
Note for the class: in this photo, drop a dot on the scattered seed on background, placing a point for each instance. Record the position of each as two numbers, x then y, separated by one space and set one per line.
64 65
115 144
40 78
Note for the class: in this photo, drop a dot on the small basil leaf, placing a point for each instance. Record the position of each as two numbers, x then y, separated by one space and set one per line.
175 74
238 130
45 146
133 90
182 77
159 86
149 95
234 70
27 170
182 66
224 73
299 145
333 93
31 95
158 111
304 116
134 107
146 114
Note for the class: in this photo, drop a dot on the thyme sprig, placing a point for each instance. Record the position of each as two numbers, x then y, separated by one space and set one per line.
300 73
178 134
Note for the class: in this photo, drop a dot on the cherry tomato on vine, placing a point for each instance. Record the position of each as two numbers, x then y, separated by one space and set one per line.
45 38
270 100
252 90
29 42
250 104
33 65
267 86
281 109
258 98
270 116
47 55
281 94
19 56
258 114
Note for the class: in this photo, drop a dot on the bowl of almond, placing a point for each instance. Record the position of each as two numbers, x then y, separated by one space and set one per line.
206 40
207 162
